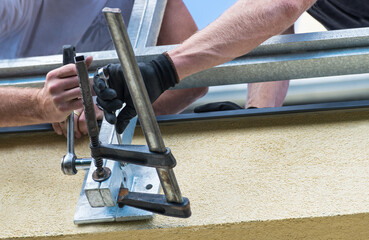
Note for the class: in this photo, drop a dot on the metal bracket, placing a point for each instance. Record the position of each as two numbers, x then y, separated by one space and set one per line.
134 177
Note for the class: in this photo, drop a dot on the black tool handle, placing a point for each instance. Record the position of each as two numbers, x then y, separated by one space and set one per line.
155 203
69 52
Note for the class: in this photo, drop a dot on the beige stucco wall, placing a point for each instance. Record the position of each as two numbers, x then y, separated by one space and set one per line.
286 177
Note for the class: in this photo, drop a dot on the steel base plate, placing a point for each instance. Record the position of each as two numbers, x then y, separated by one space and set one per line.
137 179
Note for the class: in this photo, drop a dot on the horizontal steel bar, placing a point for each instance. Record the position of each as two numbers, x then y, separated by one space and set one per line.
281 57
282 67
309 91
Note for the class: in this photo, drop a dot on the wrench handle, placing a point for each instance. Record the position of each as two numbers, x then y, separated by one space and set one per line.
69 52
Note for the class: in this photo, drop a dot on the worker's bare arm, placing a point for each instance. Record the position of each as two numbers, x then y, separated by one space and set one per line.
240 29
57 99
18 107
53 103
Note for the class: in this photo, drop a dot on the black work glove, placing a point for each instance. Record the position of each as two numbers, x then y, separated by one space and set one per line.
158 75
217 106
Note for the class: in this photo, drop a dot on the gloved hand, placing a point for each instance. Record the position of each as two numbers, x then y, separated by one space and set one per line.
158 75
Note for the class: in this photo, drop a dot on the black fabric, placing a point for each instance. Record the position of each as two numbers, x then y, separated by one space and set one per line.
158 75
217 106
341 14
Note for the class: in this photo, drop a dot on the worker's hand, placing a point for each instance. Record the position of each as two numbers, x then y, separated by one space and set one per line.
60 94
61 127
80 125
158 75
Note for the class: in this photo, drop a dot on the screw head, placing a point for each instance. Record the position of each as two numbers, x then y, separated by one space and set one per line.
100 176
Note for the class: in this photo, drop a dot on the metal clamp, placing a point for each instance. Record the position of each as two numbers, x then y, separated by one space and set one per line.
137 89
99 200
139 155
140 99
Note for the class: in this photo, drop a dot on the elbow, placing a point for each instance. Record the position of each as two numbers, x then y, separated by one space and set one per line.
294 8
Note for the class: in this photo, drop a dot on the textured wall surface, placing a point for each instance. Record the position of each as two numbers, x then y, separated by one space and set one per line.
300 176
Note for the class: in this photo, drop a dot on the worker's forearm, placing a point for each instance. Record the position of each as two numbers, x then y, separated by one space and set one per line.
240 29
19 106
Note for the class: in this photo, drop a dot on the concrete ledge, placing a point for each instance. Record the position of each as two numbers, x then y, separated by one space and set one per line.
286 177
337 227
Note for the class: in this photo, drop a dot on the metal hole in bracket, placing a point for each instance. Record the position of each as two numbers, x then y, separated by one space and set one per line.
149 186
125 179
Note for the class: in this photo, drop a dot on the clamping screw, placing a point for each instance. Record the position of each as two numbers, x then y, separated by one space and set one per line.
101 173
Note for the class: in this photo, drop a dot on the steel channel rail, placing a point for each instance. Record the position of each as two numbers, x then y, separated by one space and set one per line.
297 56
140 99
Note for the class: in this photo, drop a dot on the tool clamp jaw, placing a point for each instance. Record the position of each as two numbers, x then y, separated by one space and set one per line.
135 154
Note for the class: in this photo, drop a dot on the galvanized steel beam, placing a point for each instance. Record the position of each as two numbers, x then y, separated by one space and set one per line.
295 56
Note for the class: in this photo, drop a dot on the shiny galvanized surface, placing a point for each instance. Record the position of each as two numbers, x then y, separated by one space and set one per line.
322 54
298 56
134 177
145 22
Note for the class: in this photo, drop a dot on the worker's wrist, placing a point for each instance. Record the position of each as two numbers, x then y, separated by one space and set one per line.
38 101
172 65
181 63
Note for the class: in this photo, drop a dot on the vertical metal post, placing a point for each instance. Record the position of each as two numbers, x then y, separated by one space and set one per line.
145 22
140 99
